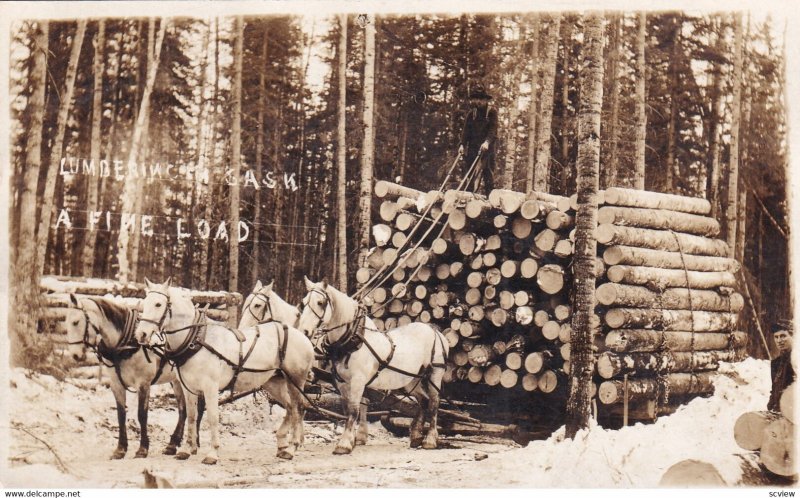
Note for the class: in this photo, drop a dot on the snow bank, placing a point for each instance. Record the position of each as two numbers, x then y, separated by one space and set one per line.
638 455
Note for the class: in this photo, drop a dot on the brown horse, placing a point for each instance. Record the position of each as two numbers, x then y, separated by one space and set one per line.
107 328
211 358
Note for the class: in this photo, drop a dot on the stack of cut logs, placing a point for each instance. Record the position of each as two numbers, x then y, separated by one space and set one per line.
771 435
495 274
56 290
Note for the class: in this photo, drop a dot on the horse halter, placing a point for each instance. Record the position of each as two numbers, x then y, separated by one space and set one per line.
267 308
159 323
327 302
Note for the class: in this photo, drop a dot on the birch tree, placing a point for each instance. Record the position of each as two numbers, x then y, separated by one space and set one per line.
588 172
532 105
714 138
260 138
48 206
733 167
368 149
236 153
129 191
609 177
673 103
641 103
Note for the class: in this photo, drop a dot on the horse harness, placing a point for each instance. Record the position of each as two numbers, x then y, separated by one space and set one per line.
196 339
267 308
124 349
353 338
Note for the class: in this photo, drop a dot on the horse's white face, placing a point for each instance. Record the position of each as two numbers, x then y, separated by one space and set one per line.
155 314
80 333
316 308
257 307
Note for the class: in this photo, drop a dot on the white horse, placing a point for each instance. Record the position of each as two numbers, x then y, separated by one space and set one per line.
107 328
409 358
211 358
264 305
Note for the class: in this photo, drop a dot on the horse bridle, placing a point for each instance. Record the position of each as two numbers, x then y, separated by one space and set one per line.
159 323
267 308
87 323
320 318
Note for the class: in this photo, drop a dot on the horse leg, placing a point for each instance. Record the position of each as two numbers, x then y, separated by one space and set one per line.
277 388
362 435
189 446
144 406
120 398
177 434
354 390
415 431
201 410
211 395
432 387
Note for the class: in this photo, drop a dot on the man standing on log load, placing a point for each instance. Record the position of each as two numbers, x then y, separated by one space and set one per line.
781 367
480 131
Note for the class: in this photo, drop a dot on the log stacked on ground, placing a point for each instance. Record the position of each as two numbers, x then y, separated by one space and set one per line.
497 278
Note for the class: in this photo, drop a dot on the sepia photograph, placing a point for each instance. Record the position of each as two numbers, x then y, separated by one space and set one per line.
346 245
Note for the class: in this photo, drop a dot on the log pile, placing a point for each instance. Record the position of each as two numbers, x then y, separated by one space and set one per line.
495 275
55 291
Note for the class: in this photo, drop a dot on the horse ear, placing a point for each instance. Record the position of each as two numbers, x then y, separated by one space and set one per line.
169 281
258 285
268 287
73 299
324 282
147 282
309 283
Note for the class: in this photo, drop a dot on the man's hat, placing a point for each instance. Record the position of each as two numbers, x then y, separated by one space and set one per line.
783 324
479 92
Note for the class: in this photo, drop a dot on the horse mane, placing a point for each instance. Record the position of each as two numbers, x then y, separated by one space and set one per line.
339 299
113 312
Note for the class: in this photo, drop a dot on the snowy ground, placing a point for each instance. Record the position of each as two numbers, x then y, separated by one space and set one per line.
79 424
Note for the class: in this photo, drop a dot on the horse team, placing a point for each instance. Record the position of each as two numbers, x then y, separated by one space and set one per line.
275 347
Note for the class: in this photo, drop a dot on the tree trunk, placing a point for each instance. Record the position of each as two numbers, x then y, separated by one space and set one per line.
541 174
565 125
634 296
662 240
256 265
96 143
778 449
25 278
660 219
733 171
532 106
236 153
640 389
655 200
368 149
673 103
662 277
609 171
588 166
611 365
341 161
513 114
48 207
641 105
681 320
714 138
129 192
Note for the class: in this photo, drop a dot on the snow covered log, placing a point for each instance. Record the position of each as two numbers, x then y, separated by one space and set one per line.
388 189
655 200
637 256
613 391
682 320
608 234
628 341
635 296
610 365
663 277
659 219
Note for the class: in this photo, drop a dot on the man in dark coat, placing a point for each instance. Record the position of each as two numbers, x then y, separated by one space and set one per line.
480 131
781 366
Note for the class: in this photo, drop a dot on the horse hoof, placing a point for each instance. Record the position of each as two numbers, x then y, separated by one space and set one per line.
182 455
428 445
141 453
341 450
118 454
285 455
210 460
170 450
416 442
361 442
